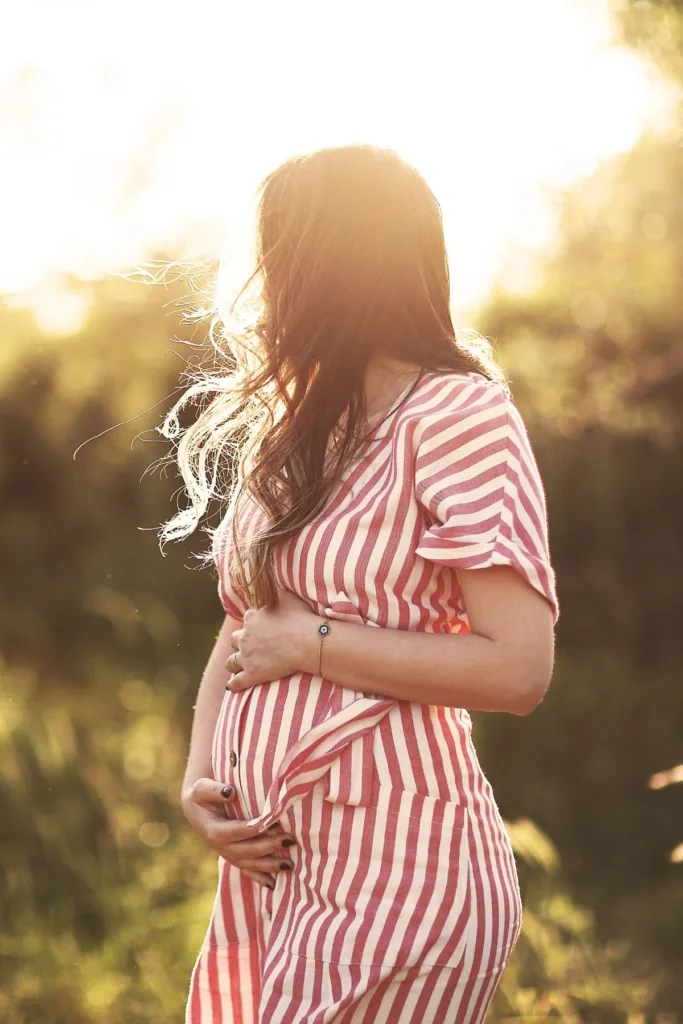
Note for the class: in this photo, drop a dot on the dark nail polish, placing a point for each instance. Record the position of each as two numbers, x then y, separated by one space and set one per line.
227 792
289 842
285 865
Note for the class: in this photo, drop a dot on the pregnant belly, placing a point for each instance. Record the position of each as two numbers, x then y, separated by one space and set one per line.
256 728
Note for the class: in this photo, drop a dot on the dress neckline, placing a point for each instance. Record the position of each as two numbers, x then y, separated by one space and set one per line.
397 403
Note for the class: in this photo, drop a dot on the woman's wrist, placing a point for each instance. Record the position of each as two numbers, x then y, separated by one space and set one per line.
185 791
310 645
193 773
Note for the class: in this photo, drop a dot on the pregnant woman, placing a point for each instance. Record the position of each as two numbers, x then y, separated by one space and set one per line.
383 565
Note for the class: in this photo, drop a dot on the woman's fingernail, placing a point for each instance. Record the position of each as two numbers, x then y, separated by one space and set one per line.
285 865
289 842
227 792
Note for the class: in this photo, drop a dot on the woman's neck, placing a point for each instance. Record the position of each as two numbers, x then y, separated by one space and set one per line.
385 380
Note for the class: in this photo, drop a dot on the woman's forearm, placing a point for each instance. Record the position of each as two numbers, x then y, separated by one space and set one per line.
451 670
209 699
504 664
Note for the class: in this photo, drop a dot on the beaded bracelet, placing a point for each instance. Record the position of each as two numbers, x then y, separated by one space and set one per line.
323 629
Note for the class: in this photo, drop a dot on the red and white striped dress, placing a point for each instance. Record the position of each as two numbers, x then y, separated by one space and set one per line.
403 903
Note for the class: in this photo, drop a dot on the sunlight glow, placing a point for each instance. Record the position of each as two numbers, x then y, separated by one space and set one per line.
135 125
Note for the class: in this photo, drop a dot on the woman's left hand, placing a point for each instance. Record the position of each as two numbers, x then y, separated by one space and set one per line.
273 643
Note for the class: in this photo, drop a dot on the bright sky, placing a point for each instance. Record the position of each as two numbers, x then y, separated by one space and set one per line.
145 121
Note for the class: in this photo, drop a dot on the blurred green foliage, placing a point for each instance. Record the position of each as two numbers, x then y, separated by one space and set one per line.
558 970
105 892
107 896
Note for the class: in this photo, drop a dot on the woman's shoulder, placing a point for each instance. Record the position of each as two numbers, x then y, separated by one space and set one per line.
447 397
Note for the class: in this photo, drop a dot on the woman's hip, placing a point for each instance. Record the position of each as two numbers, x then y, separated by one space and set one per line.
405 880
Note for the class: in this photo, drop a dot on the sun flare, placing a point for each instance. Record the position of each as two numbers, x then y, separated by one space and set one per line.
138 125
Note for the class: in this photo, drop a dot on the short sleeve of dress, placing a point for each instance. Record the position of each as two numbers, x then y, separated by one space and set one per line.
230 597
478 481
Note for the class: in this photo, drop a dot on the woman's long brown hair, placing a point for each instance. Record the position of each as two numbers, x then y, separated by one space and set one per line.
351 264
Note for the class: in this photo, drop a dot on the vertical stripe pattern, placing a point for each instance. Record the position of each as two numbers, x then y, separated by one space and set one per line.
403 903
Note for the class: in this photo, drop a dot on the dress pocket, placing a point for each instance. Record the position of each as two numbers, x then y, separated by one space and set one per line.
420 906
351 778
397 887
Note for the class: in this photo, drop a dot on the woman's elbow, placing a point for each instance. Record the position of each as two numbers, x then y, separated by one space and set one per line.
529 690
528 681
527 700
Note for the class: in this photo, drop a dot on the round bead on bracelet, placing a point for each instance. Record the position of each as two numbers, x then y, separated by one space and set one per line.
323 630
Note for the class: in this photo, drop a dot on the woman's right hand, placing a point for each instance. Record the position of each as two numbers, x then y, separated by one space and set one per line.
259 855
